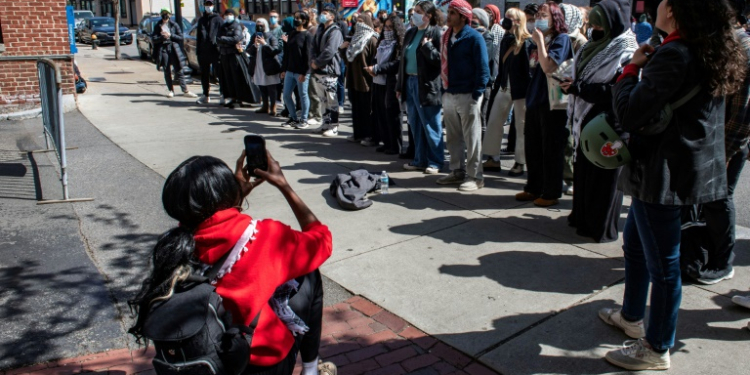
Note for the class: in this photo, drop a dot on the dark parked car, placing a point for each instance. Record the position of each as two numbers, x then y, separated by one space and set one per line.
80 16
104 29
191 43
143 35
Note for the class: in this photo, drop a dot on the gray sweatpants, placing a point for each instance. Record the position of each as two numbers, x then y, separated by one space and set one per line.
462 116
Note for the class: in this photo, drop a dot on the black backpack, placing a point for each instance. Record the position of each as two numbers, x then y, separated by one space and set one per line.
193 333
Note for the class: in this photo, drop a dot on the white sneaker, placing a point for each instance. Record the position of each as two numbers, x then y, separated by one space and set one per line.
471 184
636 355
332 131
368 142
170 94
613 317
203 100
454 178
222 100
321 129
568 189
314 121
302 125
743 301
431 170
189 94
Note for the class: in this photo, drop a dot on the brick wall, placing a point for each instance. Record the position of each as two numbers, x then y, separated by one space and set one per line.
31 28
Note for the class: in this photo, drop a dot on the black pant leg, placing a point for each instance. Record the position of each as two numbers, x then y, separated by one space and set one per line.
205 65
393 123
554 138
534 151
308 305
512 133
264 96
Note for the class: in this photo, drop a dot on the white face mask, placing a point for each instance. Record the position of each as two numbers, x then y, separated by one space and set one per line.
530 26
229 18
417 19
209 9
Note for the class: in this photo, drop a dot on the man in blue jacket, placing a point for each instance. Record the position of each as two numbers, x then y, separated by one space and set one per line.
465 72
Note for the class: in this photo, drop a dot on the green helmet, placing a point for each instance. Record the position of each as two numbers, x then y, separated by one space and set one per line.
602 145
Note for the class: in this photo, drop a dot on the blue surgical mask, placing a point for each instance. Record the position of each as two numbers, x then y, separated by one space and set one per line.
322 19
542 25
209 9
273 20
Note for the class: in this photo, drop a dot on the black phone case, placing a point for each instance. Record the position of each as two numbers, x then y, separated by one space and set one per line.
255 157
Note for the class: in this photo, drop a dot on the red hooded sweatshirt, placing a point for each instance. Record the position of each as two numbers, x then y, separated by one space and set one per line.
275 254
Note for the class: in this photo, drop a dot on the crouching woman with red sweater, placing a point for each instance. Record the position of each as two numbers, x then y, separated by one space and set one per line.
268 261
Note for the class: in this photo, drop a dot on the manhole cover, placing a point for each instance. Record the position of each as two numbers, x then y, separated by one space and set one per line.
119 72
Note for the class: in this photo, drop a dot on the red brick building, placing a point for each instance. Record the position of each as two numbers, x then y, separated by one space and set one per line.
30 30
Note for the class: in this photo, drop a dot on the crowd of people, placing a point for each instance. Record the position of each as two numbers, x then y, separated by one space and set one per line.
674 93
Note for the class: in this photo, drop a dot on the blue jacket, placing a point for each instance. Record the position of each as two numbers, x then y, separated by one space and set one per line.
468 66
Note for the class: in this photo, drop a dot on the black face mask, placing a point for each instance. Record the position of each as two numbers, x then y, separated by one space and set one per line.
506 24
260 29
165 17
597 35
297 23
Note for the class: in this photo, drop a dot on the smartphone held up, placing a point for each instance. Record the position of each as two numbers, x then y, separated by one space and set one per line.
255 154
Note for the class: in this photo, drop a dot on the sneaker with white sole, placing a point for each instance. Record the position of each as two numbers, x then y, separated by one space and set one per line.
613 317
170 94
471 184
203 100
321 129
711 277
353 140
332 131
315 121
189 94
743 301
412 167
431 170
368 142
454 178
327 368
290 124
222 100
302 125
517 170
568 188
637 355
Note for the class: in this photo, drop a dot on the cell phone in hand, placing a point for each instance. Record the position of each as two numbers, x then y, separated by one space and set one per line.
258 35
558 79
255 154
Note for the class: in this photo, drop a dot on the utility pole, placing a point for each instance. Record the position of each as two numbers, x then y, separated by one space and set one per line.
116 6
178 13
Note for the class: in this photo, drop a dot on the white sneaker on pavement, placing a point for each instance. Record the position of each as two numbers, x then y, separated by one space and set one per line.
321 129
203 100
471 184
743 301
332 131
170 94
314 121
189 94
637 355
613 317
431 170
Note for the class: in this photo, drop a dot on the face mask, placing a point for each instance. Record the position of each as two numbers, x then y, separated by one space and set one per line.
506 24
229 19
530 26
209 9
474 25
417 20
165 17
273 20
297 23
260 28
388 35
597 34
542 25
322 18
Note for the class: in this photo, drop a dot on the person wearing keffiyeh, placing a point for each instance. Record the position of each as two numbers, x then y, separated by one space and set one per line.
358 54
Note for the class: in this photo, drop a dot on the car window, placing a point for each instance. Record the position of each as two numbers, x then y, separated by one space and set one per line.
103 22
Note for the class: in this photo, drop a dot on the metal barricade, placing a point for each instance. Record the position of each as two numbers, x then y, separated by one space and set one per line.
50 92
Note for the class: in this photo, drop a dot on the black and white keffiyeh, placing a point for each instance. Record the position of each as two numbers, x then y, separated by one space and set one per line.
359 41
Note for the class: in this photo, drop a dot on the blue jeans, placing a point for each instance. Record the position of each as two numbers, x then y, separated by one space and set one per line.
652 254
290 82
426 127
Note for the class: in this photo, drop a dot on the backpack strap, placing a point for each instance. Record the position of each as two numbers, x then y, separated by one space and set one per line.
687 97
211 273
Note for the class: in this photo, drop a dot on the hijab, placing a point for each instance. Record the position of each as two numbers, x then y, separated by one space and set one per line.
597 17
363 31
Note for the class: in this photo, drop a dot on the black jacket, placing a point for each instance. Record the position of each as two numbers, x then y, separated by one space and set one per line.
165 47
271 64
208 31
428 62
686 163
325 50
230 33
296 57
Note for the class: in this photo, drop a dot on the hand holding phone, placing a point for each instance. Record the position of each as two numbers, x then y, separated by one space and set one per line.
255 154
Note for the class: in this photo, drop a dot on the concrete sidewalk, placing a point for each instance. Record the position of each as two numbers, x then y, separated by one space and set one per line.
506 283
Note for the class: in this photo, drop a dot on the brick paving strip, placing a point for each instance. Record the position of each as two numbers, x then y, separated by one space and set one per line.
359 336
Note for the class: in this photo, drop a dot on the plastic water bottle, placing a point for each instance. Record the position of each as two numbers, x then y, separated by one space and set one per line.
384 183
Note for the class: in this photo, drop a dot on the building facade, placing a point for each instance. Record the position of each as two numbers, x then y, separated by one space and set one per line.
22 43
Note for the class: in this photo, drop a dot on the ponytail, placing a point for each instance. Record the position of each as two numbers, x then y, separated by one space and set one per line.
172 262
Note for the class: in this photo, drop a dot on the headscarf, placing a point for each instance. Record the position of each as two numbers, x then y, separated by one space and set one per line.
287 25
482 16
496 31
362 34
495 14
264 22
597 17
464 9
573 17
